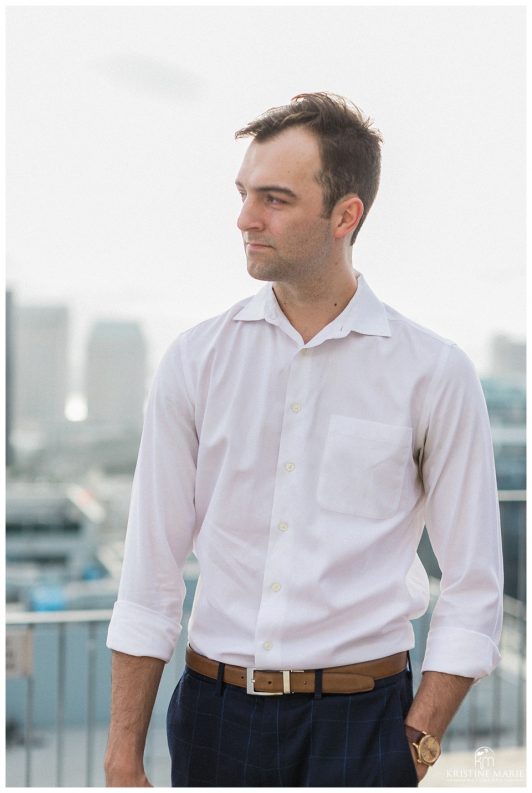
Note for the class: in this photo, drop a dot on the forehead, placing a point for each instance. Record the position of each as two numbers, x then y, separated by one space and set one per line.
293 156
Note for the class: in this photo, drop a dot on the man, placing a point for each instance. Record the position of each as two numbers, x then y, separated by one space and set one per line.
299 443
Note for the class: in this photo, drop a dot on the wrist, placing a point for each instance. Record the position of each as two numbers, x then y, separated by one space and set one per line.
119 761
426 747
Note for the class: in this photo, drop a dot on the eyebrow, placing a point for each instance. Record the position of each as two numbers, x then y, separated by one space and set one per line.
272 188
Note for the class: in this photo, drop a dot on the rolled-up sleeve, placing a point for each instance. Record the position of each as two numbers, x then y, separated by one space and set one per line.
146 619
462 520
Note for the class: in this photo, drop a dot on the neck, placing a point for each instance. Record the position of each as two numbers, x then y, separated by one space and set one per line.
310 307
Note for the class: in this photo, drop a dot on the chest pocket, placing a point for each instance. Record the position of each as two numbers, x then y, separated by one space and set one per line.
363 467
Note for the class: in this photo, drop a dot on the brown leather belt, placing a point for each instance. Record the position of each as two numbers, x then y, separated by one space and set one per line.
335 680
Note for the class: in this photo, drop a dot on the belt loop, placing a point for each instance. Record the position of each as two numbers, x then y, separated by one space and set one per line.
219 680
408 664
318 680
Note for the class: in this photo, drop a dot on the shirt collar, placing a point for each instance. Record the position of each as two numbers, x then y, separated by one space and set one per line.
364 313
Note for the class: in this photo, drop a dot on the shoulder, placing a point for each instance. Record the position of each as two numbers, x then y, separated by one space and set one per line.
199 339
445 359
210 330
194 350
406 327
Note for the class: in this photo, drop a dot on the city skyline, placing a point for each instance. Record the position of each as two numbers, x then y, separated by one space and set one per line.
503 355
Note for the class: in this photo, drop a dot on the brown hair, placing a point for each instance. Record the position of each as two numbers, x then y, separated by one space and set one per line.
349 145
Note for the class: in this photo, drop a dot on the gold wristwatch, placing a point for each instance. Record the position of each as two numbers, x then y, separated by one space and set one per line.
427 746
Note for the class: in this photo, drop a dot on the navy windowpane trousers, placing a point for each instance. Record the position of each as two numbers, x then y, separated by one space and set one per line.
220 736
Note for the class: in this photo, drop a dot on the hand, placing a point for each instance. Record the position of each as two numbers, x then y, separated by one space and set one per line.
421 768
130 774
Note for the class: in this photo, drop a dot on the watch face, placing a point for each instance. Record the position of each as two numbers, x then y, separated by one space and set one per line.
429 749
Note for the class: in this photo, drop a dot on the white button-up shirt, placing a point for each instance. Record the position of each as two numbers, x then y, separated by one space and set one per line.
302 476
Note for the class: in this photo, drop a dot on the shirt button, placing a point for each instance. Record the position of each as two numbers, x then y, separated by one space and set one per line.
283 526
267 645
289 466
276 587
295 408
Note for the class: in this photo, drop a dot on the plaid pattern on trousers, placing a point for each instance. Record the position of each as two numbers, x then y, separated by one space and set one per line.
220 736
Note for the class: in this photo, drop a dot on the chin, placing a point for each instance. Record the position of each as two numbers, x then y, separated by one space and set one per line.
258 272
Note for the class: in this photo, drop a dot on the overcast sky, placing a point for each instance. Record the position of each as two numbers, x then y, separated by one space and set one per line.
121 159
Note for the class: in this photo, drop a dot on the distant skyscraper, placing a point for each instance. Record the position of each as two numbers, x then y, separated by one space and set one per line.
9 376
116 374
508 358
40 364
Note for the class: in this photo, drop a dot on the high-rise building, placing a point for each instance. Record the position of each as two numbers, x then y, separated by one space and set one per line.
40 365
508 359
9 377
116 374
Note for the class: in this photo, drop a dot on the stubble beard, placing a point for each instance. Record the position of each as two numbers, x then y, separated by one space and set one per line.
272 270
294 269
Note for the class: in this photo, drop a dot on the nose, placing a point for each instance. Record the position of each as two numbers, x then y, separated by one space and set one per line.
250 216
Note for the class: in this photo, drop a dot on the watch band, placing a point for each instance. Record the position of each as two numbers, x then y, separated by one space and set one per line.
413 734
427 746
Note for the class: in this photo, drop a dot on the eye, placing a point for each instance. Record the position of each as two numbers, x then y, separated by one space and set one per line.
242 196
271 199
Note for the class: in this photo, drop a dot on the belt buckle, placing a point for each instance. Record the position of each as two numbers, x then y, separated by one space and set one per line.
250 684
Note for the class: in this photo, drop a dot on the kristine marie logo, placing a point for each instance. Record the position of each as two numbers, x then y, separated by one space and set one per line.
484 758
484 769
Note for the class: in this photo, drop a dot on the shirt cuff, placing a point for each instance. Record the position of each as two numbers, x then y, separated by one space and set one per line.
458 651
136 630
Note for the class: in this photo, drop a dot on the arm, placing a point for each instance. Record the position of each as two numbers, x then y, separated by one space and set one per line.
147 615
462 520
437 699
134 687
145 624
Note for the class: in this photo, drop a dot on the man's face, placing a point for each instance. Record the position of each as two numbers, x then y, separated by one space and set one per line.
285 235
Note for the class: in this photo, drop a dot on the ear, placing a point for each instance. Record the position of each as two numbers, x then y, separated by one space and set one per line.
347 214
